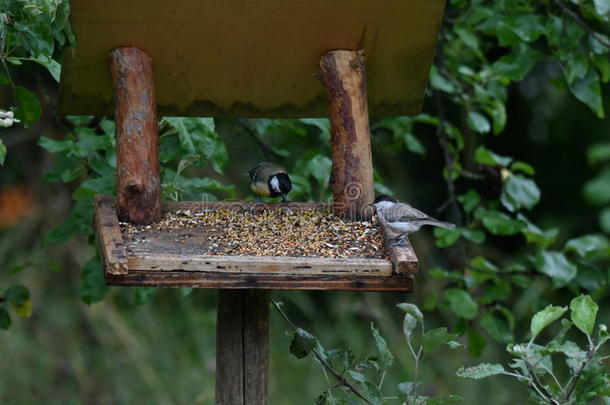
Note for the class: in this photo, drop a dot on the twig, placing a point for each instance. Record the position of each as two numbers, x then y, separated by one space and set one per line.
576 376
340 379
566 10
538 385
267 151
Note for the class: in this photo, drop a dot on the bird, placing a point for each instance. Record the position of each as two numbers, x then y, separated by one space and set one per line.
270 180
403 219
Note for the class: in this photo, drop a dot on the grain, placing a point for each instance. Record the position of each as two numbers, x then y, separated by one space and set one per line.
269 232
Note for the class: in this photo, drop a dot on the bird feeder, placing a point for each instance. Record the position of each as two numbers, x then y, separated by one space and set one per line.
294 58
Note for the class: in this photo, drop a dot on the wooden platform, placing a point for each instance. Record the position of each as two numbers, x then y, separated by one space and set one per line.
167 260
245 58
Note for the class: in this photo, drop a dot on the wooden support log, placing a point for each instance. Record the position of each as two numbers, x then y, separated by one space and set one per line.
343 74
137 138
242 347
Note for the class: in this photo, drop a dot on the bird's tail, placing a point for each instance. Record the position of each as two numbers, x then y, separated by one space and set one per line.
436 222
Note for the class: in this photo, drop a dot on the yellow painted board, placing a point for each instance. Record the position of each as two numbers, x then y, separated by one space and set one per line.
251 58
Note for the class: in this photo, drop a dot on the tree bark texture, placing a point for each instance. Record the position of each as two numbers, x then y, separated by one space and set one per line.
343 74
242 347
137 137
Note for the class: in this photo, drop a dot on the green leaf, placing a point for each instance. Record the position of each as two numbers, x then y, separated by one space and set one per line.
409 323
406 387
556 266
356 375
444 399
588 90
17 294
499 223
480 263
435 338
533 234
477 122
544 318
487 157
446 237
373 393
470 200
412 310
584 245
24 309
602 7
413 144
439 82
2 153
522 167
5 319
483 370
519 192
516 65
29 109
598 153
302 343
52 66
583 311
93 287
461 303
475 236
386 357
597 190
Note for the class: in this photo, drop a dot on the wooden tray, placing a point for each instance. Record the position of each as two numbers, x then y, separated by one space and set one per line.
165 261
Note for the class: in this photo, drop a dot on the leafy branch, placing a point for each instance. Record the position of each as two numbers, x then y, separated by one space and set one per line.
308 343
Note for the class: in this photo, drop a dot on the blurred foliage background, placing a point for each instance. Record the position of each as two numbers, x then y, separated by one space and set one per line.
512 146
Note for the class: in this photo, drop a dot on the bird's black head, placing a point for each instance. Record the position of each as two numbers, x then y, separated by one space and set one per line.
279 184
385 197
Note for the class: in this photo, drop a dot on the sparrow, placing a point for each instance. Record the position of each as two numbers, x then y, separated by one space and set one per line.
403 219
269 180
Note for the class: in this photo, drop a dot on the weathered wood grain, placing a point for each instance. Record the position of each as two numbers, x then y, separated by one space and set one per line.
351 179
256 346
137 139
152 278
402 257
109 236
262 264
230 348
242 347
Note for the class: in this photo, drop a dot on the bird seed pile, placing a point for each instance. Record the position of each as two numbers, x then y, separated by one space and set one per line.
270 233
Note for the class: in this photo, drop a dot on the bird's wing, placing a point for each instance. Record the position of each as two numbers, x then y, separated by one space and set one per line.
404 212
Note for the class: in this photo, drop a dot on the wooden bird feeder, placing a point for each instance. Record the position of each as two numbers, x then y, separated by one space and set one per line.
243 58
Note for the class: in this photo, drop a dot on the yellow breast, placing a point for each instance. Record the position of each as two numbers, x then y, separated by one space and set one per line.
260 188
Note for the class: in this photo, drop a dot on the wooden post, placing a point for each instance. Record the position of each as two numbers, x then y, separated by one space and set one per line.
352 171
137 139
242 347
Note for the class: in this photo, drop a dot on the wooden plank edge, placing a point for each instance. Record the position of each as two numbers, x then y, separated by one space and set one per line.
270 265
109 235
396 282
402 257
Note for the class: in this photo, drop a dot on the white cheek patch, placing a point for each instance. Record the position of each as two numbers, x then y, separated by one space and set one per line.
275 185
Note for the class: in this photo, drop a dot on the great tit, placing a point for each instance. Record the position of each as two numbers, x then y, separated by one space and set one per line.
403 219
269 180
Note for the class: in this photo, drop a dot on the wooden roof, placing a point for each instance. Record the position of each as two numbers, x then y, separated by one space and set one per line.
251 58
